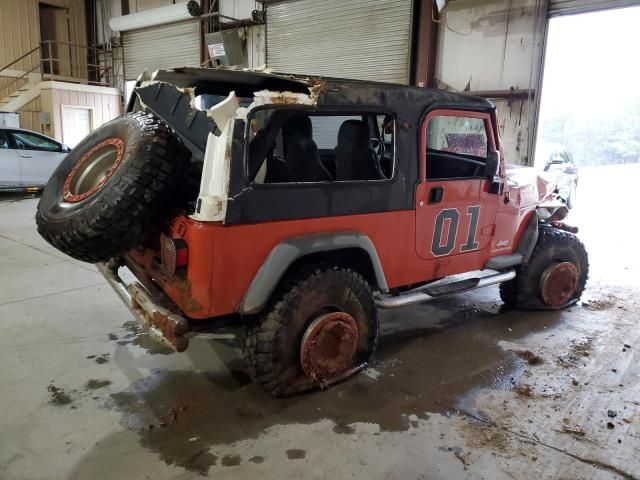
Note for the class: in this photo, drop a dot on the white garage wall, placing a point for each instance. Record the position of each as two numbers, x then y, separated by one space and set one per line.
255 47
493 45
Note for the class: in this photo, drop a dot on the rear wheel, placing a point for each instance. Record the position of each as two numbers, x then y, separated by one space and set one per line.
322 327
554 277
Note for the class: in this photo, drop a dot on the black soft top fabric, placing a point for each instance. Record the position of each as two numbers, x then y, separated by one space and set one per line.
251 203
333 92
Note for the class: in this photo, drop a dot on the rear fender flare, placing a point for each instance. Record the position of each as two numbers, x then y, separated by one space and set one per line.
288 251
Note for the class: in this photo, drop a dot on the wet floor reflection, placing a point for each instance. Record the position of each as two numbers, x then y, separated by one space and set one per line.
421 370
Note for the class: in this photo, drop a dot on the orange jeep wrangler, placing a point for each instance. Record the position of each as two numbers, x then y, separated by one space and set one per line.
300 206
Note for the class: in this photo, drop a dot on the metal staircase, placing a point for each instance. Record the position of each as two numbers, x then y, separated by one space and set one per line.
21 79
20 86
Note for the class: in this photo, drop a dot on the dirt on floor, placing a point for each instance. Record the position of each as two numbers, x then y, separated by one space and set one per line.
508 401
461 388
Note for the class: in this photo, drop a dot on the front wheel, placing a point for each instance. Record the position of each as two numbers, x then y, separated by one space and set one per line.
554 277
322 327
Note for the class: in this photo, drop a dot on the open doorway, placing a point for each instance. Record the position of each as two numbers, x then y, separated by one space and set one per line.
55 37
589 129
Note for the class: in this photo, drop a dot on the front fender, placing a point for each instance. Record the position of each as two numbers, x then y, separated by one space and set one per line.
552 210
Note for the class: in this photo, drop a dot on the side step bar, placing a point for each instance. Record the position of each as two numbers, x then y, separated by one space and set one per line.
162 325
428 293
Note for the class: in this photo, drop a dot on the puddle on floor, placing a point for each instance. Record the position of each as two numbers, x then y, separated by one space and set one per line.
137 336
180 414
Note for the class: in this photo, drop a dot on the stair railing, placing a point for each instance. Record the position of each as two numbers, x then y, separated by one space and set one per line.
87 65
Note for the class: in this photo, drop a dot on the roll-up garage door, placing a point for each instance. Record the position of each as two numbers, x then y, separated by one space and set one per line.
164 46
568 7
363 39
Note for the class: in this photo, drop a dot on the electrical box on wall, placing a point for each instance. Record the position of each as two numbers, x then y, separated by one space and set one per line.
45 118
225 47
9 119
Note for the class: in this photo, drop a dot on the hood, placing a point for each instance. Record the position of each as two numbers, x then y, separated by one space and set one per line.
528 186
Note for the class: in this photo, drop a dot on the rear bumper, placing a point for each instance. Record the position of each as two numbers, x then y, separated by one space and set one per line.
149 306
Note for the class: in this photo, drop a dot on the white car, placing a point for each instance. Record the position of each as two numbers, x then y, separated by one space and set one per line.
27 159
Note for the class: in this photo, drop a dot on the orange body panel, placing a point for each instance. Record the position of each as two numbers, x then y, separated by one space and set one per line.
223 260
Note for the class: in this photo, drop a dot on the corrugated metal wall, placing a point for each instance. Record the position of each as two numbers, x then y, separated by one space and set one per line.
164 46
363 39
30 115
19 30
567 7
20 33
20 26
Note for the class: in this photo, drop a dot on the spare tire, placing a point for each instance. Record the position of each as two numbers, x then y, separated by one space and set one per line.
119 185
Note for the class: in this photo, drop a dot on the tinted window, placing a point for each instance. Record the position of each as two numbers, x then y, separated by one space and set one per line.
29 141
4 140
456 147
291 146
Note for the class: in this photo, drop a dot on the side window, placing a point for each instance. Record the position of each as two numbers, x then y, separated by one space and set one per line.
4 140
28 141
293 146
456 147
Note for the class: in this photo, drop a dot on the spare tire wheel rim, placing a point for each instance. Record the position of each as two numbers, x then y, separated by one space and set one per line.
329 345
559 283
93 170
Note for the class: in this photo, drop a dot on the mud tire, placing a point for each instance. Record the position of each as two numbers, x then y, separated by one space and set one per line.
272 343
553 245
141 194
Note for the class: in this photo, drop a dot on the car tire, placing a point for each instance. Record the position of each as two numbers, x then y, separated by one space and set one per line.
554 277
118 186
321 328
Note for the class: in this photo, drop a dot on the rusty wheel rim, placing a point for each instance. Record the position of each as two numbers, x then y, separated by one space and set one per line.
93 169
558 283
329 345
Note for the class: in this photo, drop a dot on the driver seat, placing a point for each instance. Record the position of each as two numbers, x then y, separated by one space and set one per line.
354 157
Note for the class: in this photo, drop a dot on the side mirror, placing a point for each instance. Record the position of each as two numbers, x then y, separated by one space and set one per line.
65 149
493 164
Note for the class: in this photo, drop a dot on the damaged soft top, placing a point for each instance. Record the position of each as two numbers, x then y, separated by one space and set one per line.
209 132
170 95
325 91
219 81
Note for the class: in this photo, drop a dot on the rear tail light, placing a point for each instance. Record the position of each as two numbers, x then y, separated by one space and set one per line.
173 254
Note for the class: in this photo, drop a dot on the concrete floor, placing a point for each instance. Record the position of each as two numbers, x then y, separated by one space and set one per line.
459 389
